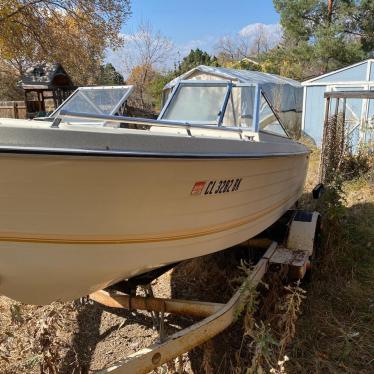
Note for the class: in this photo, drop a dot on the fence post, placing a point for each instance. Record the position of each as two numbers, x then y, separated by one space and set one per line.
15 109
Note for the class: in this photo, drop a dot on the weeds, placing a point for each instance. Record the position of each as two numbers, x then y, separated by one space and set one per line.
248 299
289 310
268 322
334 334
356 166
263 345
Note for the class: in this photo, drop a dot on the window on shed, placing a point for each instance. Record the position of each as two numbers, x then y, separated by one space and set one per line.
268 120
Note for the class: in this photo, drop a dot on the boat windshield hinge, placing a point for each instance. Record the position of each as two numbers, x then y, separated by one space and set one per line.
56 123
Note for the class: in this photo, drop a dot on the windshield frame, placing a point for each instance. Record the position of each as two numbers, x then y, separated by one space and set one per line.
200 83
219 121
129 88
287 135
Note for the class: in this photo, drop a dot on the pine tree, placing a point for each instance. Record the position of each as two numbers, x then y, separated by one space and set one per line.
320 35
195 58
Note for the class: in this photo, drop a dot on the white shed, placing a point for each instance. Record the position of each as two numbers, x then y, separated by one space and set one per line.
360 112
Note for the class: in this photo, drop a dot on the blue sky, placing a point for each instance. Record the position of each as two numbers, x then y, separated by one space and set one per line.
196 24
183 21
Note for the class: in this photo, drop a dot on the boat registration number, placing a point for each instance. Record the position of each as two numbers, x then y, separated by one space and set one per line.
216 186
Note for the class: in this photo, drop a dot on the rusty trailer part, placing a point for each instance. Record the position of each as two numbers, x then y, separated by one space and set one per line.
297 261
183 341
179 307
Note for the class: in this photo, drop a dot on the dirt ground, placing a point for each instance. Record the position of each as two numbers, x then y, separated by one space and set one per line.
82 337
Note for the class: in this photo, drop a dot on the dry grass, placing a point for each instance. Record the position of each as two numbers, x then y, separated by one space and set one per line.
33 339
335 332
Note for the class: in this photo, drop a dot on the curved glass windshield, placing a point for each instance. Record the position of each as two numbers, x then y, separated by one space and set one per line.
196 103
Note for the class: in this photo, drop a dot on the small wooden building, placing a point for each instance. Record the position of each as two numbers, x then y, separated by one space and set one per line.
46 86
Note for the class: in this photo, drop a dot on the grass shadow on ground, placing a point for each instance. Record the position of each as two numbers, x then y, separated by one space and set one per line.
91 331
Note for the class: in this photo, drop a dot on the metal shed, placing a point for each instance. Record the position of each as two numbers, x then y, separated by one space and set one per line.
360 111
284 94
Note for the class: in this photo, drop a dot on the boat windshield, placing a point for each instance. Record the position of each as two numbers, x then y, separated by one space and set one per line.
195 103
95 100
211 103
223 104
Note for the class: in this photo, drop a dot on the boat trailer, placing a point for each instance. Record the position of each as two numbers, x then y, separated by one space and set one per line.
300 234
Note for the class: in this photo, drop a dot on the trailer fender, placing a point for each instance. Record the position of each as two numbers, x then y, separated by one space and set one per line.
303 231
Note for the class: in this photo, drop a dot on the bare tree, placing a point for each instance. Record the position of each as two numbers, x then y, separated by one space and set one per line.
146 51
251 41
228 49
260 40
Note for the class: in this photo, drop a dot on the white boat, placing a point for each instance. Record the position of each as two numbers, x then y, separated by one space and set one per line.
84 207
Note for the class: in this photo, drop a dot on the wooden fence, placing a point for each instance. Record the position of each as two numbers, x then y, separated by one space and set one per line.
13 109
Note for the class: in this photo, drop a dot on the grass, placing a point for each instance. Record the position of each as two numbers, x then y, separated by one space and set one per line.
326 325
336 329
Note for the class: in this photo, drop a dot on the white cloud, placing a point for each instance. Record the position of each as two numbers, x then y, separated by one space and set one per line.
252 28
272 31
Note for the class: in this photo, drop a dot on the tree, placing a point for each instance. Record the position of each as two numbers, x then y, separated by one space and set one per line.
195 58
141 77
9 90
72 32
109 75
290 59
157 85
363 24
160 79
261 40
250 42
147 51
325 35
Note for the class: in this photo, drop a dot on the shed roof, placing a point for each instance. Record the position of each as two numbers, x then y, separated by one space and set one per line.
314 80
43 76
242 76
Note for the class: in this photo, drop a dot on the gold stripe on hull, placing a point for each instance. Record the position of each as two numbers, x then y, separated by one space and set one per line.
151 239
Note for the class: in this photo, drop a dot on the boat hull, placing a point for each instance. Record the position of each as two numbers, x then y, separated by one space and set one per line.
71 225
